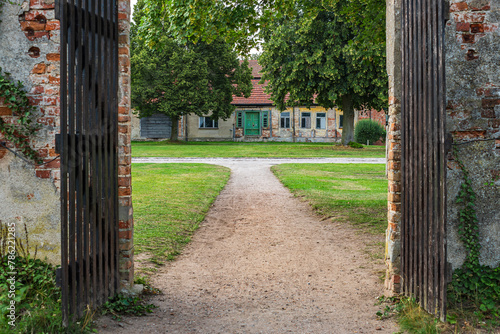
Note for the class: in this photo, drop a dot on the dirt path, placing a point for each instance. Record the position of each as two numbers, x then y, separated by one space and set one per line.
263 263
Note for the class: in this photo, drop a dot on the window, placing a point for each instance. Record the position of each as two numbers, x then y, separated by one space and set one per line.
341 121
265 119
285 120
239 119
321 120
305 120
208 123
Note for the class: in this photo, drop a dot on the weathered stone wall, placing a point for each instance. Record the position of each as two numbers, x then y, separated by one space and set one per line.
472 64
473 118
392 251
126 223
29 40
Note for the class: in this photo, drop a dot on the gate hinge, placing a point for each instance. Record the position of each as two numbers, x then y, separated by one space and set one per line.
59 277
57 10
58 144
448 143
446 10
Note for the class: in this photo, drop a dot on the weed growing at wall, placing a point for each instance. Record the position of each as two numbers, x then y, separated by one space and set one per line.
20 133
473 285
37 297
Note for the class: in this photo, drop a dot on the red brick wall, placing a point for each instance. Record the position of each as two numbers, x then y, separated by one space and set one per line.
124 149
375 115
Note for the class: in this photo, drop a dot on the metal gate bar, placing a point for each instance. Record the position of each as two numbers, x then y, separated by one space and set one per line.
89 156
423 195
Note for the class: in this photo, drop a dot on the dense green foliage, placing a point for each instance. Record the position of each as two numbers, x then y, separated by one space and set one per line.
31 283
20 134
324 60
126 305
473 284
175 79
330 51
367 130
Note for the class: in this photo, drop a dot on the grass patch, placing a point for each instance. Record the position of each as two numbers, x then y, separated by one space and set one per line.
251 150
410 316
355 193
170 200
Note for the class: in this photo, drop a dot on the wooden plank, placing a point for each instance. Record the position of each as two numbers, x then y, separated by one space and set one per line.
86 162
425 162
64 170
93 150
105 139
78 158
442 166
72 140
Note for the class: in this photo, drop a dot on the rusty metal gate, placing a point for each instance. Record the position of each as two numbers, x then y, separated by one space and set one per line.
423 222
88 146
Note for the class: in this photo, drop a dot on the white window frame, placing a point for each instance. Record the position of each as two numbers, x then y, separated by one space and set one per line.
321 118
305 120
206 122
285 118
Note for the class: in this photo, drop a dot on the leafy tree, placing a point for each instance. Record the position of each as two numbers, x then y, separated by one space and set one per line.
177 80
331 49
324 59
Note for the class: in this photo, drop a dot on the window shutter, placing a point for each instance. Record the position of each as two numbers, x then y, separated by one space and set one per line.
239 120
265 119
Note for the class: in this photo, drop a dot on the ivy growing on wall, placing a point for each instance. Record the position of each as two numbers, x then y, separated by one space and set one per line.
21 132
473 283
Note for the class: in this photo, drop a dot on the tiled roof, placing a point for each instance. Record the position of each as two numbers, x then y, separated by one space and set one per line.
256 68
258 96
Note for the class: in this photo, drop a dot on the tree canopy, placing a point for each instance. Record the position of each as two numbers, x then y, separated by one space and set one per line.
241 22
324 60
328 51
178 80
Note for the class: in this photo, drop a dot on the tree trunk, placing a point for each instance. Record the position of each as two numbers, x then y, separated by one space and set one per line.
174 136
348 126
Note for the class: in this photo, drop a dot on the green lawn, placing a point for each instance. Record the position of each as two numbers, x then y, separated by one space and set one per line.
251 150
170 200
356 193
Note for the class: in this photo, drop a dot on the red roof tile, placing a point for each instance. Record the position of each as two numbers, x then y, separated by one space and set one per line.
258 97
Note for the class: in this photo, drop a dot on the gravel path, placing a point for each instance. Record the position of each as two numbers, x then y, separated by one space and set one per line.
262 262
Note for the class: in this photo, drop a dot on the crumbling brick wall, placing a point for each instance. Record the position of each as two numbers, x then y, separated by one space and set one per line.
472 65
473 119
30 51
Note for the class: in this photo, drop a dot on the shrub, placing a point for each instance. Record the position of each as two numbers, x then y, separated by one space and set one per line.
368 130
353 144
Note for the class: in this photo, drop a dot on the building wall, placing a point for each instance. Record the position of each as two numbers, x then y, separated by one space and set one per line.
332 133
195 133
472 66
393 235
276 133
376 115
473 119
29 194
30 46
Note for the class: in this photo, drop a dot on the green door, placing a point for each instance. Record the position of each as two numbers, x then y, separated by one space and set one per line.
252 123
